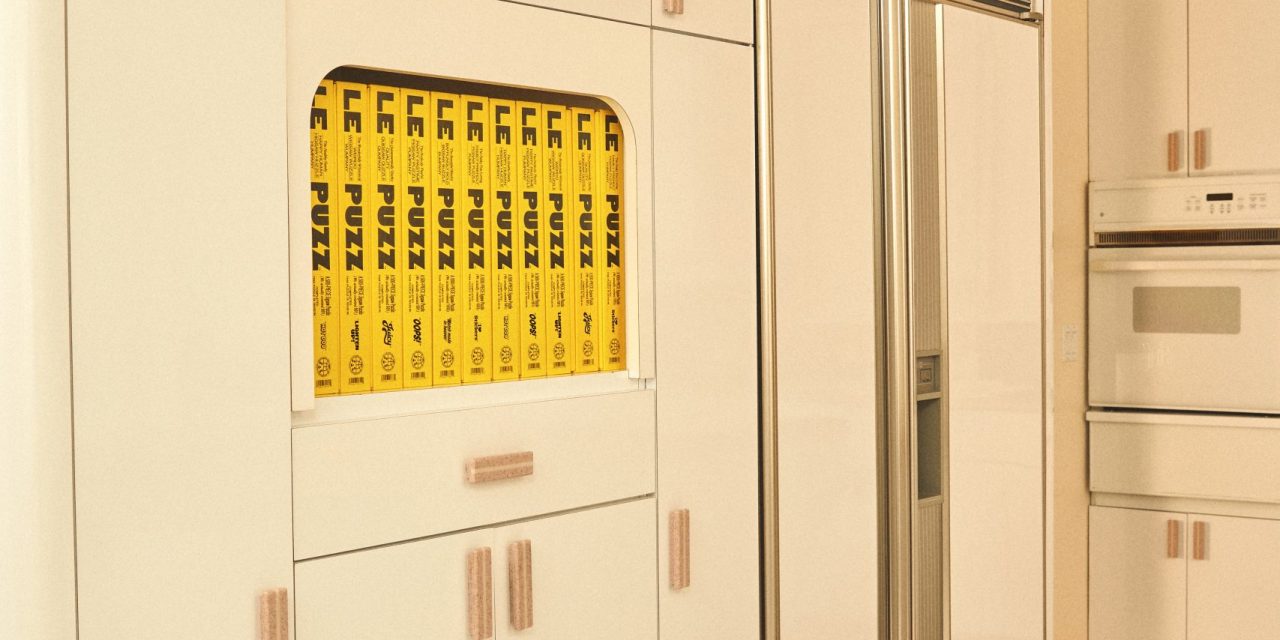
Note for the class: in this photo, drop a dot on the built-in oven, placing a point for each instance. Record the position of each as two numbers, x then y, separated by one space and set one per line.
1184 295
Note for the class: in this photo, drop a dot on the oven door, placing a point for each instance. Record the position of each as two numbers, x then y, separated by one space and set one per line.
1194 328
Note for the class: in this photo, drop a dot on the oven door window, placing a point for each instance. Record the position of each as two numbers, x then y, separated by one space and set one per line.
1197 310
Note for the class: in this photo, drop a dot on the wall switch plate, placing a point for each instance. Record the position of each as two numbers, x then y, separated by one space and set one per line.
1070 343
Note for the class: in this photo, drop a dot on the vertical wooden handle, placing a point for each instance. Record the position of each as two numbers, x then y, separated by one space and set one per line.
520 571
674 7
480 594
1198 540
273 614
678 533
1202 145
1175 151
1175 538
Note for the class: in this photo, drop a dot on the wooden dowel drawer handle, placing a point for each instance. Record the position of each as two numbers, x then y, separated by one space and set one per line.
674 7
1175 148
1198 541
678 533
520 571
1201 154
480 594
273 614
503 467
1175 542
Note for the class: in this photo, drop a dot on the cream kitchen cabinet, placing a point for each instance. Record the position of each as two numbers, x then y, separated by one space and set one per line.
633 11
1183 87
1137 574
1169 576
723 19
704 178
179 306
205 469
1235 85
584 575
1137 89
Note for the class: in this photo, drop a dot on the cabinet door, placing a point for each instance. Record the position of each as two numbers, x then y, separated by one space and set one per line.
726 19
1138 89
177 183
592 576
1137 575
399 592
1235 83
1234 585
634 11
704 207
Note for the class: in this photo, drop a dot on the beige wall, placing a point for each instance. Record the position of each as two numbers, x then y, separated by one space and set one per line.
1068 21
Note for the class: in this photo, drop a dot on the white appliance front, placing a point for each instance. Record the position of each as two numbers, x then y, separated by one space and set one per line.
1186 328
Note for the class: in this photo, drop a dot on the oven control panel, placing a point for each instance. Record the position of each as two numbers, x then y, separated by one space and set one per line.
1229 202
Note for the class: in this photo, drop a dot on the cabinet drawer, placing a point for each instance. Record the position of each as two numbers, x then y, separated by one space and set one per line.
725 19
368 483
633 11
1225 458
593 576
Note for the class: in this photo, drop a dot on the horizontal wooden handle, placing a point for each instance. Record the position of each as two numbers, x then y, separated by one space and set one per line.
1198 541
520 570
678 533
1175 542
503 467
273 614
480 594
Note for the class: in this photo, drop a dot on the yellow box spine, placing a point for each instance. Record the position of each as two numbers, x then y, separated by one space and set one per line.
582 240
557 179
352 267
504 268
325 299
388 256
477 338
446 310
532 237
415 149
609 255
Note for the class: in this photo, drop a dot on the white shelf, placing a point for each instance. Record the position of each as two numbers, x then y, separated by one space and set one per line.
389 404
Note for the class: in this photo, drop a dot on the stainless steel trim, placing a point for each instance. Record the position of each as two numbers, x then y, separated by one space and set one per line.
769 539
1018 14
899 363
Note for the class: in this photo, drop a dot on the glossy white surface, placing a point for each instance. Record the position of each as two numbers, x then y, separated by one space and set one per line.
1136 591
179 254
37 575
708 414
594 577
1231 593
1220 371
825 260
1137 88
1235 83
1185 456
994 241
724 19
362 484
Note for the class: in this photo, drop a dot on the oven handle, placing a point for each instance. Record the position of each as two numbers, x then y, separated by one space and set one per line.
1184 265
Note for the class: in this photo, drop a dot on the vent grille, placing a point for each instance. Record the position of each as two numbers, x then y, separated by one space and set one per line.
1012 6
1187 237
